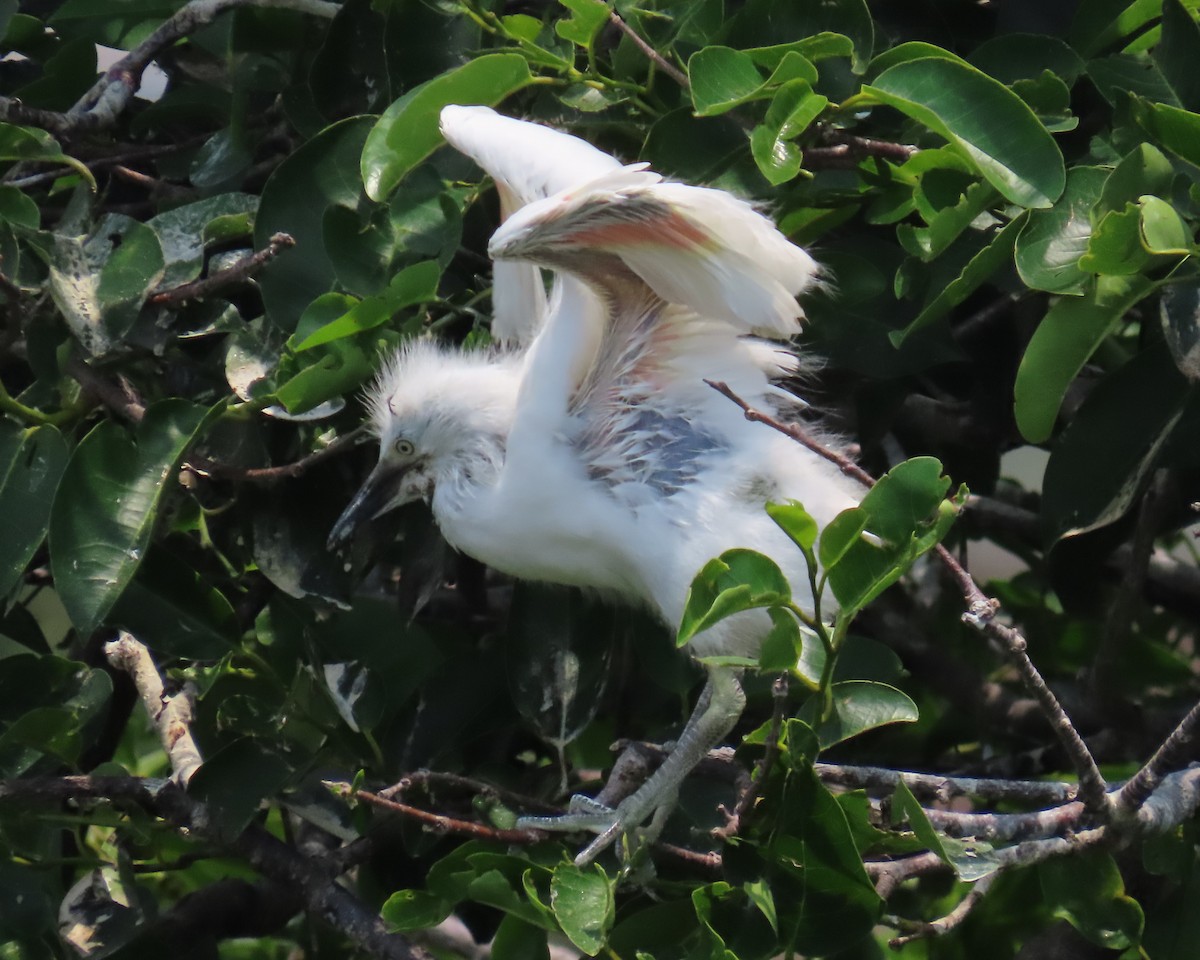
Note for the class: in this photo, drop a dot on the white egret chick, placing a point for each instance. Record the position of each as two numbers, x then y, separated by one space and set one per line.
591 452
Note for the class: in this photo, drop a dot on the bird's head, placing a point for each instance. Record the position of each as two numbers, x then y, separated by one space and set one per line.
439 414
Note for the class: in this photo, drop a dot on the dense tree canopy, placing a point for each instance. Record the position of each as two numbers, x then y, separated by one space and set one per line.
217 738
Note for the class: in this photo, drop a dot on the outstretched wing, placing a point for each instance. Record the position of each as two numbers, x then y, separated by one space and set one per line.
528 162
688 275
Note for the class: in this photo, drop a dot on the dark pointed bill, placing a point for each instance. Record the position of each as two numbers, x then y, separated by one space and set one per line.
372 499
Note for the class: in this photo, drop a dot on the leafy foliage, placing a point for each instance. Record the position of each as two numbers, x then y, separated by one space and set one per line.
197 285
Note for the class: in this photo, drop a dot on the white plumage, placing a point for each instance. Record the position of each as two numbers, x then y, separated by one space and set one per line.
593 453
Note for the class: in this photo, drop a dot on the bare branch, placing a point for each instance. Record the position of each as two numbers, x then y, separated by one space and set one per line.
204 467
653 55
111 94
747 797
170 715
943 925
435 821
943 787
222 278
1179 747
846 150
120 398
981 614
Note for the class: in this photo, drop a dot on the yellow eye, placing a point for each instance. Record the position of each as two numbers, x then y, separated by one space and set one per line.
404 447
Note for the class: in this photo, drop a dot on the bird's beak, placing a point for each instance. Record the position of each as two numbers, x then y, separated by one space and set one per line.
377 495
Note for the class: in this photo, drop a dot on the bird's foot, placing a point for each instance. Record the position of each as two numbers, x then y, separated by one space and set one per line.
624 822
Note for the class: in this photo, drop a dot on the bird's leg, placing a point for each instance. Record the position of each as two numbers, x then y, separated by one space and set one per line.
716 712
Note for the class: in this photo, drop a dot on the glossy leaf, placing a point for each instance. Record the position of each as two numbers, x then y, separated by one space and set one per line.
1179 311
989 123
721 78
107 503
903 516
971 859
1087 891
408 130
1062 343
1101 461
582 901
294 201
1171 127
737 580
233 782
31 463
860 706
414 910
1052 241
30 144
412 285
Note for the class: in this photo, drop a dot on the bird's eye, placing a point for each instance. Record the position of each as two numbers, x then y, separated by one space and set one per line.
404 447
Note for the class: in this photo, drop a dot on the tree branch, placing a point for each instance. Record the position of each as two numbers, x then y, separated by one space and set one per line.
653 55
943 787
170 715
980 614
943 925
244 268
111 94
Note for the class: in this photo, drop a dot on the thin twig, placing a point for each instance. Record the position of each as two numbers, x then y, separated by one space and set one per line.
848 150
1178 748
118 397
944 787
943 925
657 58
436 821
980 613
285 471
111 94
244 268
747 798
170 715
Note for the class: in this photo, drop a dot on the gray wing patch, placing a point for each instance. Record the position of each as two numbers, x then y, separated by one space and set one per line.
648 449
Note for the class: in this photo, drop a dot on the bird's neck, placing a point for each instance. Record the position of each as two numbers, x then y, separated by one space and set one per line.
467 477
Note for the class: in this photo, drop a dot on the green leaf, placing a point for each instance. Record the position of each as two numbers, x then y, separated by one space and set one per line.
294 200
1179 311
583 905
587 18
1174 128
1062 343
905 515
1104 456
1144 170
1025 56
737 580
28 144
169 607
721 78
517 940
100 282
984 119
31 463
971 859
824 899
1087 891
796 522
235 780
412 285
181 232
993 257
1115 246
1163 230
343 365
794 107
948 223
1099 24
414 910
859 706
107 502
1052 241
840 534
1178 52
783 647
408 130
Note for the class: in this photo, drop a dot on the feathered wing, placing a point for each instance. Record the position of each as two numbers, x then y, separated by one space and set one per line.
687 274
528 162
